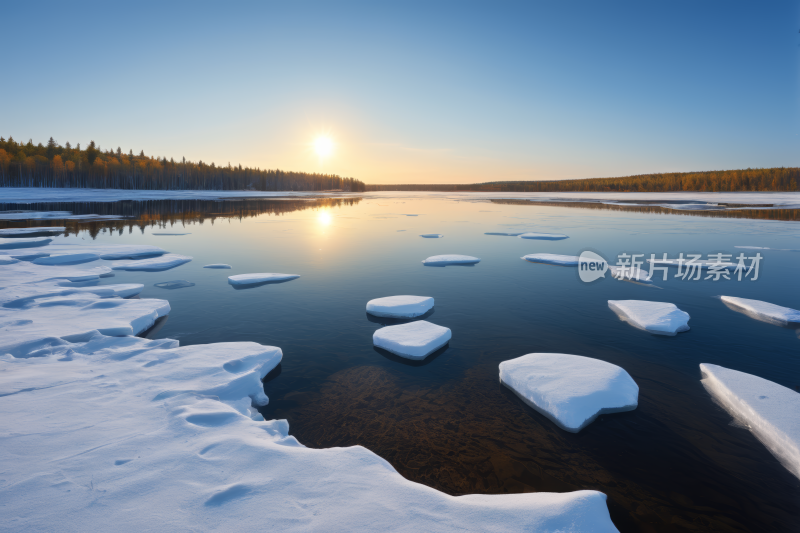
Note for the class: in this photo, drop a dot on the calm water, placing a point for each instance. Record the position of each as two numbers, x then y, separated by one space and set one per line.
675 463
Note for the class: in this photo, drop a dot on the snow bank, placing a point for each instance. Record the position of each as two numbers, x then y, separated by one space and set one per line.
156 264
66 259
451 259
769 410
415 340
552 259
400 306
654 317
36 230
764 311
570 390
543 236
218 265
11 244
431 235
151 436
252 279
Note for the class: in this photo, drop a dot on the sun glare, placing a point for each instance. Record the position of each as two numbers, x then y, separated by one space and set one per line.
324 218
323 146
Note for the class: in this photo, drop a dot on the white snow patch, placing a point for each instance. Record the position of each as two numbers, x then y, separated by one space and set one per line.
543 236
451 259
36 230
552 259
24 272
66 259
11 244
415 340
400 306
252 279
110 252
764 311
659 318
165 262
570 390
217 265
769 410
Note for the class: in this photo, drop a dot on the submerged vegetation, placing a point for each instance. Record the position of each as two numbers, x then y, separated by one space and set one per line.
53 165
751 179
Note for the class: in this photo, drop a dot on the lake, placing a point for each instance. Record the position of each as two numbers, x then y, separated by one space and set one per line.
677 462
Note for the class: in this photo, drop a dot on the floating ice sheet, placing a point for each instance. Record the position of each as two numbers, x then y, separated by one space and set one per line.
264 277
400 306
451 259
770 411
764 311
218 266
66 259
570 390
431 235
156 264
659 318
543 236
552 259
170 234
36 230
415 340
12 244
174 284
503 234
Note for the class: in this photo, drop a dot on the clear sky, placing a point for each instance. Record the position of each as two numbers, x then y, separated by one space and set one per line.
413 92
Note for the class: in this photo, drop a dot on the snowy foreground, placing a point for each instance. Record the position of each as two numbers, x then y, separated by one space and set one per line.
769 410
570 390
100 429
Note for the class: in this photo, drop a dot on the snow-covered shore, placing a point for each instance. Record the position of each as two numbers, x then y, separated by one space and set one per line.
101 431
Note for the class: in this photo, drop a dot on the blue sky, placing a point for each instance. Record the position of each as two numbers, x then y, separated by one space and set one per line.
414 92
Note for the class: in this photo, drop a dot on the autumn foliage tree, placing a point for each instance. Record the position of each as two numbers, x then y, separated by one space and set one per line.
53 165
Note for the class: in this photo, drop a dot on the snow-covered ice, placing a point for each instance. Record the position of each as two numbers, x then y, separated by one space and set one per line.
111 252
400 306
659 318
633 275
156 264
36 230
150 436
570 390
503 234
415 340
66 259
252 279
703 264
218 265
764 311
12 244
431 235
543 236
52 215
552 259
174 284
451 259
769 410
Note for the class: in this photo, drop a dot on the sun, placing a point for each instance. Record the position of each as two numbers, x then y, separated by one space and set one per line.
323 146
324 218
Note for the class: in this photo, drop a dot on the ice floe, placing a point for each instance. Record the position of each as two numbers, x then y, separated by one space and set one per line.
431 235
66 259
543 236
503 234
553 259
770 411
156 264
52 215
633 275
36 230
174 284
170 234
764 311
12 244
218 265
570 390
400 306
111 252
659 318
415 340
702 264
253 279
26 272
451 259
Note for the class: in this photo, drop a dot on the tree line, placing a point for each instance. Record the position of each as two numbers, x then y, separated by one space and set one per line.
53 165
750 179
